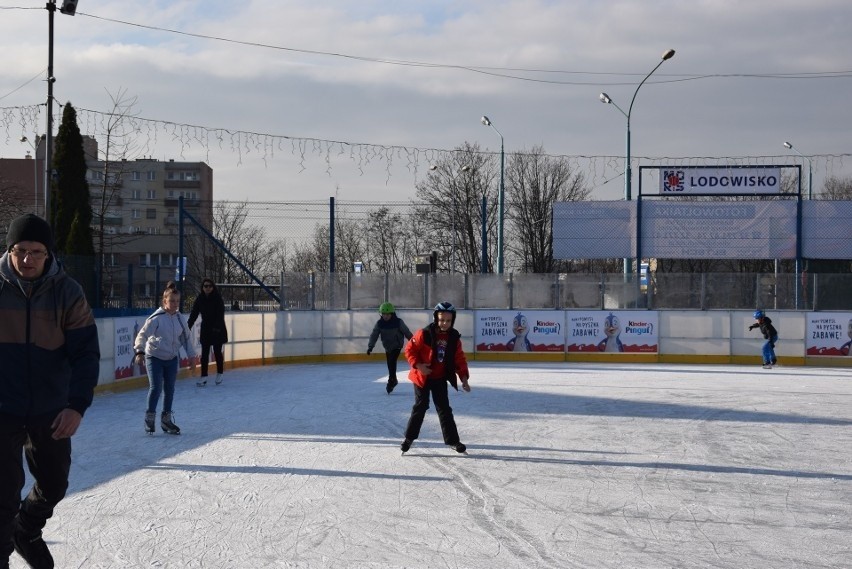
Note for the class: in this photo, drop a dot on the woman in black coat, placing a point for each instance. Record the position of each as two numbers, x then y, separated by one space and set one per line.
211 307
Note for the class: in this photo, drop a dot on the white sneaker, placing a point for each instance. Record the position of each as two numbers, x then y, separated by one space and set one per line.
218 379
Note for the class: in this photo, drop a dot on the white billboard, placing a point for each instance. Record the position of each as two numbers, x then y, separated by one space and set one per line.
719 230
594 230
723 181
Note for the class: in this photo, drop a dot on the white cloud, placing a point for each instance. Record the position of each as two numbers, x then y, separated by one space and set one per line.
607 46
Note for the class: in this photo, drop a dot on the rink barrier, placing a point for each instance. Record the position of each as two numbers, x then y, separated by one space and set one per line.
315 337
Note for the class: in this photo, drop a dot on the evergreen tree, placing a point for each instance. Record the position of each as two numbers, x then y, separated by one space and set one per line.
79 240
70 190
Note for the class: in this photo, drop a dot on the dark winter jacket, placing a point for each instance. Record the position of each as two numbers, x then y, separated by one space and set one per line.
421 350
211 307
49 350
766 328
393 332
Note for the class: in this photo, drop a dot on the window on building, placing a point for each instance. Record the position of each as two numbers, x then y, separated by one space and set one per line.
135 176
152 176
152 194
137 194
151 213
136 214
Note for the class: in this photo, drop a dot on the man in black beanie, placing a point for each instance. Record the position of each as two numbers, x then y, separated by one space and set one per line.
50 363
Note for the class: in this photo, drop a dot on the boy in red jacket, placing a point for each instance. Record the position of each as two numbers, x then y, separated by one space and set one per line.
436 357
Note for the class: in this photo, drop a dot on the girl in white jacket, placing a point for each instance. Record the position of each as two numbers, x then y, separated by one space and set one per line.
159 342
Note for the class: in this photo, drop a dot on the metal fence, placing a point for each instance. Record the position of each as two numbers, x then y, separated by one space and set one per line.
660 291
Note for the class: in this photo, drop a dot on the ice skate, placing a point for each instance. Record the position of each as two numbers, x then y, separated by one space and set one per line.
406 444
202 382
767 366
33 549
392 382
219 379
149 423
459 448
167 424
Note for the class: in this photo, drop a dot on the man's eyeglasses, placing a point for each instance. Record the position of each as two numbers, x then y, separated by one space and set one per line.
207 285
34 254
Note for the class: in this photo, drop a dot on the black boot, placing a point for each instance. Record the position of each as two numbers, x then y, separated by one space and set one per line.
392 382
33 549
167 424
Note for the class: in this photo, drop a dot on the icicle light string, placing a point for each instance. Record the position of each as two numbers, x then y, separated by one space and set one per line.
599 170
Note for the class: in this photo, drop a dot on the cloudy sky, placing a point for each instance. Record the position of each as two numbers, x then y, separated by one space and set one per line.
270 86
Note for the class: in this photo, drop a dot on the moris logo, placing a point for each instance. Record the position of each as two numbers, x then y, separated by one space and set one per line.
673 180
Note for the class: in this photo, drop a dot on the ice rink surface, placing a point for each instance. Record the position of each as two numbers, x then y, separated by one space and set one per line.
568 465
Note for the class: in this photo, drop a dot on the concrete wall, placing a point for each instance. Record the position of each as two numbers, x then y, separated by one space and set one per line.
687 336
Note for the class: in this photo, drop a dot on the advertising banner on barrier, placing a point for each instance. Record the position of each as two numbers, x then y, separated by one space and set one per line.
616 331
520 331
828 334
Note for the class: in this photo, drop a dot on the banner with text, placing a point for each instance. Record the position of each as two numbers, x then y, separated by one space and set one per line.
685 181
828 334
617 331
520 331
719 230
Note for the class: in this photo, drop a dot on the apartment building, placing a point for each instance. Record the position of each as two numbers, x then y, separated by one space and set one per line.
134 214
138 201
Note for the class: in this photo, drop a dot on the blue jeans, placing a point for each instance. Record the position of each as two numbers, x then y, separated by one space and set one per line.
162 375
769 350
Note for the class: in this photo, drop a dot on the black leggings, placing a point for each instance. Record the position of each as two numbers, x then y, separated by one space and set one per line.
205 358
440 396
392 356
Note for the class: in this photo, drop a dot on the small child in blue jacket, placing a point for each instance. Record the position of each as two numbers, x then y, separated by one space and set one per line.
770 333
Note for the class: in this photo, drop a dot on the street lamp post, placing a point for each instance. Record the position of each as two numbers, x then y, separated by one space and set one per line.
69 7
789 146
627 169
501 197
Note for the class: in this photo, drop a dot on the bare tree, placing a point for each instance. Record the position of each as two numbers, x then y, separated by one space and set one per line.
391 241
313 255
11 204
835 188
535 181
118 146
452 208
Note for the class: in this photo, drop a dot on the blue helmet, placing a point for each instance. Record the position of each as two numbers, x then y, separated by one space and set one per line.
758 314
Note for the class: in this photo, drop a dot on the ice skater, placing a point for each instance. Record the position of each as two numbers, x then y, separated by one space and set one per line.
394 332
214 332
158 343
770 333
436 357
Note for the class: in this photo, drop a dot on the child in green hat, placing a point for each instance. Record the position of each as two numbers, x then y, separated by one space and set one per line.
394 332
